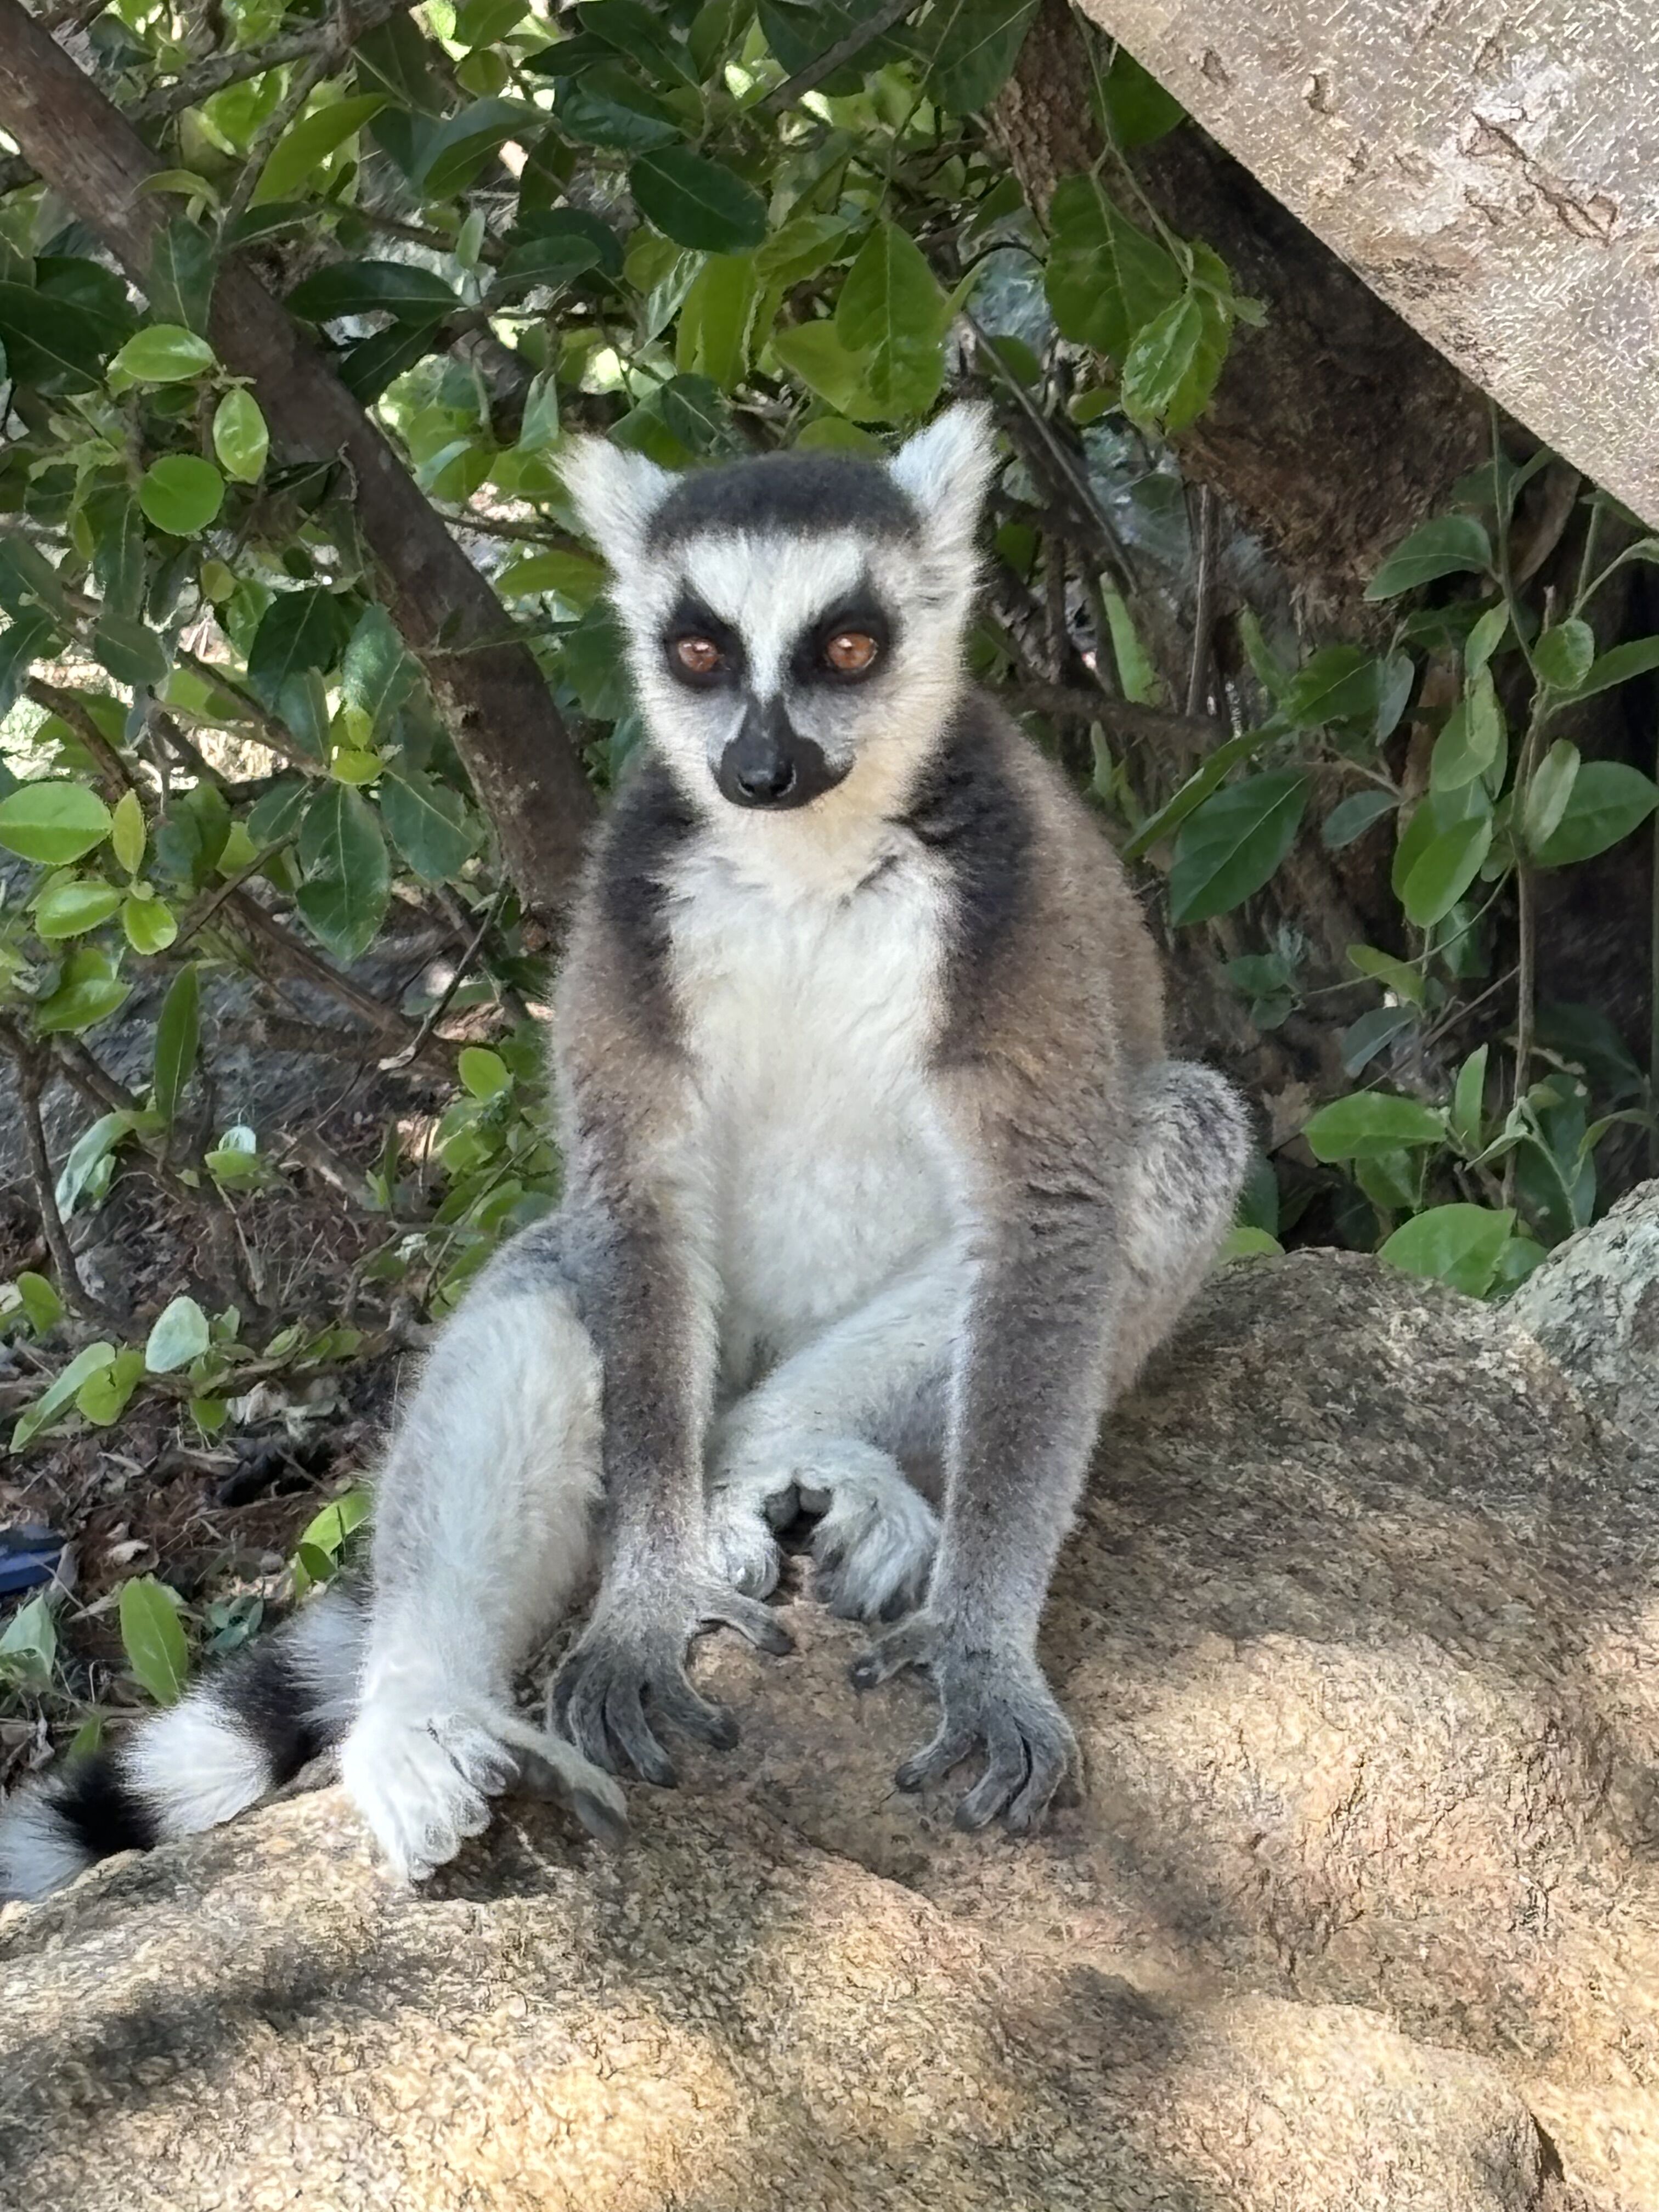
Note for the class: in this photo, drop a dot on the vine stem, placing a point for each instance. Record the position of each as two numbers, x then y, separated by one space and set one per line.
31 1062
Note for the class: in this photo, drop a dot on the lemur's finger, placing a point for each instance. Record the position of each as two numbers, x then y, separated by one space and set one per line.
1005 1775
948 1749
751 1618
624 1713
678 1704
909 1646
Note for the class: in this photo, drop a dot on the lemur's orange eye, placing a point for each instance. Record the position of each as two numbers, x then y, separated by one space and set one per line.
699 656
850 652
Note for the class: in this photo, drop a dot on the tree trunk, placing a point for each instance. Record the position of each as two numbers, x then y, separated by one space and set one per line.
505 725
1487 166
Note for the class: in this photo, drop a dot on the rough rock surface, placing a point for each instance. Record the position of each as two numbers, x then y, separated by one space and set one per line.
1361 1911
1595 1305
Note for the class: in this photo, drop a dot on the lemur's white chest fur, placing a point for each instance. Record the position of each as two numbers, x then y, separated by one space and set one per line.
811 1009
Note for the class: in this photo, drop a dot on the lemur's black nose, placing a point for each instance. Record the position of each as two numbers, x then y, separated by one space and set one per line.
769 764
764 783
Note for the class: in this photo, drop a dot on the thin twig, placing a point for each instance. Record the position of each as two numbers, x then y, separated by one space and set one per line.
32 1062
327 61
406 1058
1125 717
113 773
200 916
845 50
1198 679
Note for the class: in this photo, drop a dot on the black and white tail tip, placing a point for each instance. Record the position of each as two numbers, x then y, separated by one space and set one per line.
239 1734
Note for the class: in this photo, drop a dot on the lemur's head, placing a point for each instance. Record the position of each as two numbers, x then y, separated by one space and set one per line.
793 619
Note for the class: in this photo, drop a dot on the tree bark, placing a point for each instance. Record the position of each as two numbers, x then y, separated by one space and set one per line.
1335 427
1487 166
504 723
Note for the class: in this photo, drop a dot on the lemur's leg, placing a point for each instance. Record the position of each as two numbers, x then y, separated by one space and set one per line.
1189 1161
1093 1241
826 1432
483 1531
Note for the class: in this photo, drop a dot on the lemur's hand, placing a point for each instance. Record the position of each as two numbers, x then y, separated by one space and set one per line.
628 1672
992 1696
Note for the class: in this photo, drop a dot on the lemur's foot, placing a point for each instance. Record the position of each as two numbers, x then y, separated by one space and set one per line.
874 1547
421 1773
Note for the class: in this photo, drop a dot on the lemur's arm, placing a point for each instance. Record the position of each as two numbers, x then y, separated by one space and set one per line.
1027 1395
631 1112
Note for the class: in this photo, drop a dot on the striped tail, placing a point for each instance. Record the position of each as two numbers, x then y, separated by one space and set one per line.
239 1734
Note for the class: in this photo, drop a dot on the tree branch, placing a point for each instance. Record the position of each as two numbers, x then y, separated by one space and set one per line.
505 726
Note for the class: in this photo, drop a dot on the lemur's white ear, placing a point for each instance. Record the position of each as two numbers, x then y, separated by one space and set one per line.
945 469
614 493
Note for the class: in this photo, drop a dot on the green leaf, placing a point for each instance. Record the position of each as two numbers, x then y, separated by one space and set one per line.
240 436
461 145
54 343
1484 640
816 354
1548 793
71 908
177 1036
1171 367
1474 739
179 283
892 312
367 287
1138 110
1351 819
1461 1245
181 493
1338 684
377 361
1449 545
637 31
118 552
1369 1124
1638 656
377 674
1214 771
52 822
570 577
716 321
28 1647
298 631
1233 843
42 1307
59 1392
1398 976
181 1334
1466 1120
126 834
153 1640
88 1153
150 924
277 814
1607 800
696 202
348 880
608 106
102 1398
89 990
1440 851
428 823
298 155
165 353
971 47
130 649
327 1531
1563 655
483 1073
1106 280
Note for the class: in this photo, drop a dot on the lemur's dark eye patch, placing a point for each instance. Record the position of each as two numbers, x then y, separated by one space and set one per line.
701 650
845 644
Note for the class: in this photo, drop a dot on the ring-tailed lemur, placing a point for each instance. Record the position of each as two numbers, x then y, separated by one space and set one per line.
878 1187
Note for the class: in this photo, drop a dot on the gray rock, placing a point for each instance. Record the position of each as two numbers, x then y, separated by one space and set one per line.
1595 1304
1360 1913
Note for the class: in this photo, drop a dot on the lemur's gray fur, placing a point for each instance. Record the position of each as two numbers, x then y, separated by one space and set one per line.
880 1187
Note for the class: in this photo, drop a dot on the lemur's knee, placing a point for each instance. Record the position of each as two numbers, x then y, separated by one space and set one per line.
1195 1145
